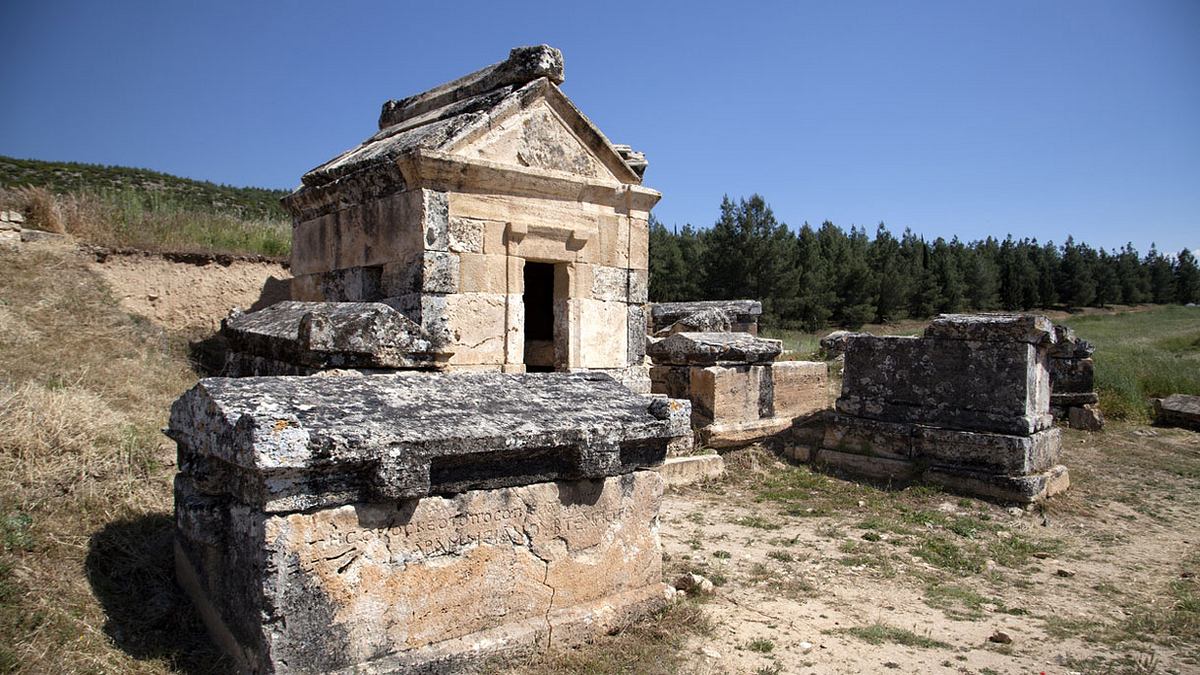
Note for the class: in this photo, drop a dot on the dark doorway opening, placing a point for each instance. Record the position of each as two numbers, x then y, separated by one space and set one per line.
539 317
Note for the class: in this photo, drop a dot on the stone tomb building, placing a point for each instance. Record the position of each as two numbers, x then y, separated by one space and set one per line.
496 216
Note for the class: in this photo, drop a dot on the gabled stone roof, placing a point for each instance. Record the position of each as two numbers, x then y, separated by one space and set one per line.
451 114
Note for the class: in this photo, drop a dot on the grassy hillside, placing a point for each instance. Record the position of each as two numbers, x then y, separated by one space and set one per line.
137 208
72 177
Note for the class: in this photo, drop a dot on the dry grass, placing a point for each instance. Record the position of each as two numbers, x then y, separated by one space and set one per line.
85 583
39 205
148 222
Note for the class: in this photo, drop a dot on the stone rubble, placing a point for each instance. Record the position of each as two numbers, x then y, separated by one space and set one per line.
1073 396
967 406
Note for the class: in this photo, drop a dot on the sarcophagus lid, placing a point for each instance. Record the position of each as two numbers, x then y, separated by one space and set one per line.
293 443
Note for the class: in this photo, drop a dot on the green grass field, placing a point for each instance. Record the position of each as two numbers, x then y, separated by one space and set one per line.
1142 355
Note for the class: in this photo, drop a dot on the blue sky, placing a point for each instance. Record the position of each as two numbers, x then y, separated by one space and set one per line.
953 118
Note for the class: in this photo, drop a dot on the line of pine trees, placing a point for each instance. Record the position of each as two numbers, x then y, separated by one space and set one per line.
820 276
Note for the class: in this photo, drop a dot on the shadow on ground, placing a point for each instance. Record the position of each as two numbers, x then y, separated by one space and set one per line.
130 565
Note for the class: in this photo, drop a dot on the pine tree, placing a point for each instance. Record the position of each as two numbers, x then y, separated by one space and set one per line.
1076 287
1187 278
1162 277
891 276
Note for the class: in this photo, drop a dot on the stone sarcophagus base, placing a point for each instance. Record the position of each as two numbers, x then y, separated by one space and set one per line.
998 466
424 585
417 522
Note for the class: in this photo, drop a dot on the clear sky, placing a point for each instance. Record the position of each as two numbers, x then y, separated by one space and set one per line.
1033 118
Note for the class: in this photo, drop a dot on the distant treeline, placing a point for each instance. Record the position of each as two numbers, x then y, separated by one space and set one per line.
815 277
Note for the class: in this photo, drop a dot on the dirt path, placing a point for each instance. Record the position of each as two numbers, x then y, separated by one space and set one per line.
917 580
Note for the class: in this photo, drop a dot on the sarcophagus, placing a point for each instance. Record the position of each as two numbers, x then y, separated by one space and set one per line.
417 522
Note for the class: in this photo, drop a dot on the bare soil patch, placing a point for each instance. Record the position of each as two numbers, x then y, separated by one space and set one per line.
189 297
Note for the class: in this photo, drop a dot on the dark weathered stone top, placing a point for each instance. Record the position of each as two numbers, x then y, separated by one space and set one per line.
663 314
289 443
1031 328
708 349
334 335
523 65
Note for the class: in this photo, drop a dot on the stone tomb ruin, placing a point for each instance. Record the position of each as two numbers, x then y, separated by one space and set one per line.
1073 396
419 521
494 215
966 406
739 392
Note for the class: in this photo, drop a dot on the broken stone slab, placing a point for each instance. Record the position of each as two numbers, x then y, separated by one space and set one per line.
431 585
323 335
1019 489
291 443
712 320
973 385
709 349
1178 410
523 65
1032 329
743 314
692 469
1069 400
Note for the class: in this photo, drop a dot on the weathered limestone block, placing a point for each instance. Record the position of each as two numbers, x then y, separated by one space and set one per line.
724 394
799 387
424 585
691 469
1071 375
1178 410
284 444
313 336
968 384
737 434
705 349
861 436
738 315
